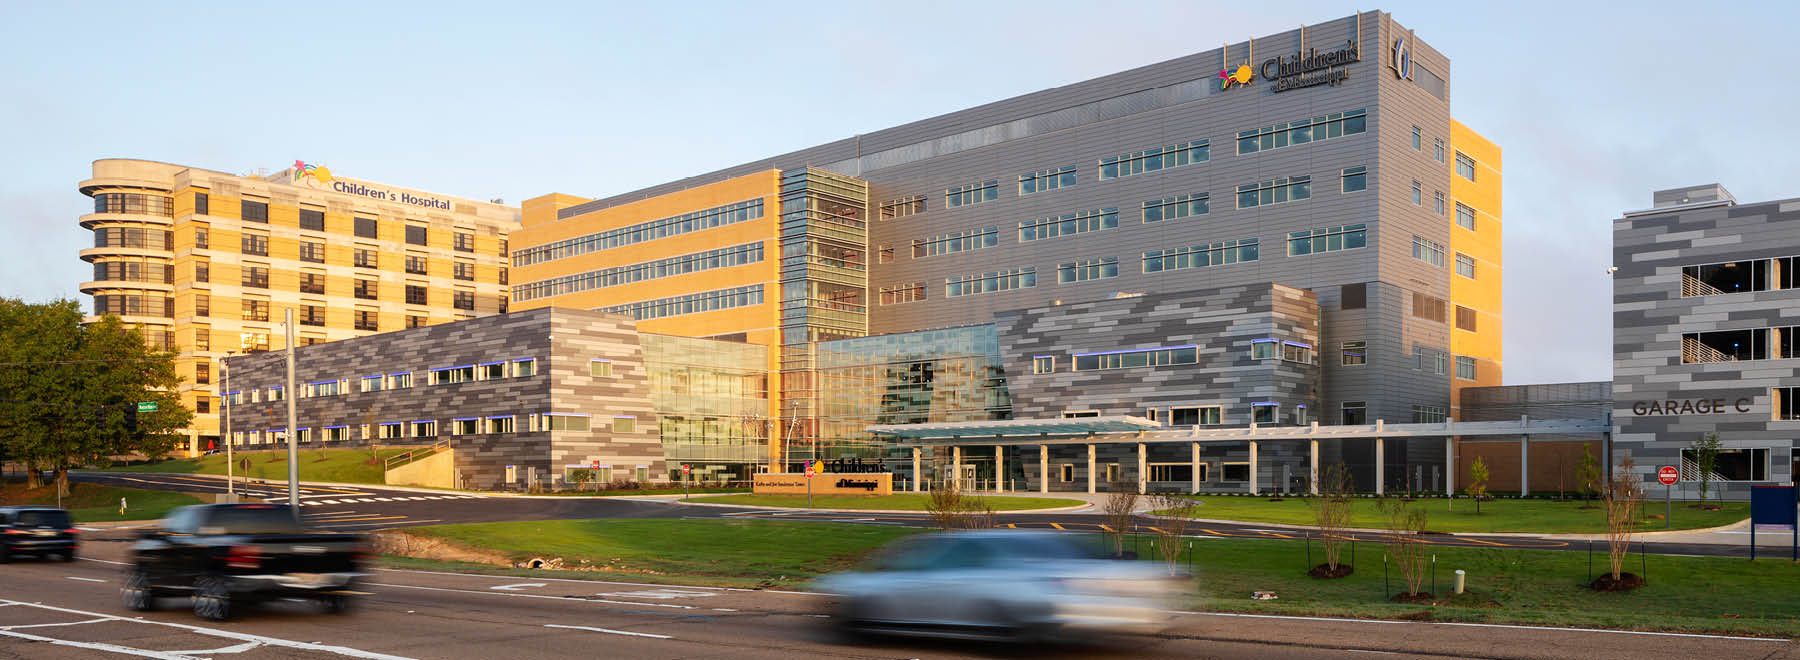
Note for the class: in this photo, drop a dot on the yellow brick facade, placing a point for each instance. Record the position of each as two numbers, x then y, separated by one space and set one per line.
1483 294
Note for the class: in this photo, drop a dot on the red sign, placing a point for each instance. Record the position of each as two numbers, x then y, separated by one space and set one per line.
809 469
1668 475
685 469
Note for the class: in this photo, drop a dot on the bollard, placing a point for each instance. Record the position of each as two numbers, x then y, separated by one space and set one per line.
1459 581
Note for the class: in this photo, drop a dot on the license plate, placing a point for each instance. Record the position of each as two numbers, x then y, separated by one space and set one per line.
46 532
309 578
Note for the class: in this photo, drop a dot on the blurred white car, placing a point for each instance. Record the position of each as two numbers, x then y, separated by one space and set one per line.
1005 584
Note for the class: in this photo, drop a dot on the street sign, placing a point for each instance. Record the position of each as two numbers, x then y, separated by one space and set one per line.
809 469
1668 475
686 469
146 406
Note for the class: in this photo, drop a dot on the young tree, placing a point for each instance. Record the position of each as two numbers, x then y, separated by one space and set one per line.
1331 512
1171 531
1121 503
1478 478
1404 525
1588 473
1706 454
1624 494
945 504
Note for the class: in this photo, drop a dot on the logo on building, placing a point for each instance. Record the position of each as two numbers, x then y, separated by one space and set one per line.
1402 62
318 174
1240 76
1311 68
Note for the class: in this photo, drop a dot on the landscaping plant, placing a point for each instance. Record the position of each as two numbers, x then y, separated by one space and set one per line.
1478 478
1404 525
1622 498
1171 531
1589 474
1706 454
946 504
1331 514
1121 501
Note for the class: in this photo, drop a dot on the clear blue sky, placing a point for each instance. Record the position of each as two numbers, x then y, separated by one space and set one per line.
1593 107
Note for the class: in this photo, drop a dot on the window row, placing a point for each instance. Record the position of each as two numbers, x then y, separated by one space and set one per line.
134 271
1274 191
903 207
1087 269
134 305
1042 180
1323 127
1202 256
739 255
1151 160
1017 278
695 303
951 243
1739 277
974 193
133 237
642 232
1327 239
1135 358
1068 224
1177 207
428 428
1289 351
1739 345
139 203
1428 251
904 293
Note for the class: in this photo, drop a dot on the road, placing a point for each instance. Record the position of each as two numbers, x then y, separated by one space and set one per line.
374 507
55 610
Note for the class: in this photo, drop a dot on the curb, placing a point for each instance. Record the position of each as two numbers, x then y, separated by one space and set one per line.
1083 505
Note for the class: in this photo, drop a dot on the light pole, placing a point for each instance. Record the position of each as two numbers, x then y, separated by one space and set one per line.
292 440
225 408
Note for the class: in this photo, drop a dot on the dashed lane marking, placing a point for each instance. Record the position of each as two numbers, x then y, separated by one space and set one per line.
609 631
84 579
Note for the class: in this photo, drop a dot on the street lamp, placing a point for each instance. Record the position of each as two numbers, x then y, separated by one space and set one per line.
225 408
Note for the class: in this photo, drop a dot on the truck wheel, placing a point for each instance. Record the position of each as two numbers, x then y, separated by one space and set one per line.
337 603
137 594
67 557
212 598
5 554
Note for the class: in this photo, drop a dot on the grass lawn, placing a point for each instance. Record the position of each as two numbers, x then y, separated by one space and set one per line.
732 553
351 466
1545 516
896 502
95 503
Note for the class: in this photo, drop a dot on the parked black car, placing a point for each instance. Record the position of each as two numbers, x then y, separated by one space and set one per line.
227 556
40 531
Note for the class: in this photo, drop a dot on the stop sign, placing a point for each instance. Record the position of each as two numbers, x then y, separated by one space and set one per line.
1668 475
685 469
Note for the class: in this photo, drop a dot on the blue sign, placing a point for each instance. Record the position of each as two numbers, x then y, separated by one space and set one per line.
1774 506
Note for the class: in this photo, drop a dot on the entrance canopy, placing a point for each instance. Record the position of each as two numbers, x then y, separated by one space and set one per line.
1123 428
1016 428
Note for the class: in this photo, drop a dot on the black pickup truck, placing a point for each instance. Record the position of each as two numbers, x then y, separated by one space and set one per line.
40 531
227 556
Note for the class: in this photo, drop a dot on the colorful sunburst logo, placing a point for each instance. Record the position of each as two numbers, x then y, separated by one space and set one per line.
318 173
1240 76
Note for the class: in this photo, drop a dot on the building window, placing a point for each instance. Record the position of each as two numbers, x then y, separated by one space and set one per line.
974 193
449 375
257 244
1465 166
885 254
1418 139
1263 349
415 321
1428 251
309 340
1465 367
1739 276
1135 358
313 315
463 300
902 293
415 295
565 422
524 368
202 238
1151 160
1068 472
1438 201
1437 145
368 320
624 425
1080 414
1275 191
1296 352
490 371
1785 403
1264 413
202 204
312 252
133 237
464 270
903 207
464 242
202 271
1043 364
202 373
638 233
202 338
1729 465
368 289
1418 193
739 255
500 424
1428 307
1355 353
1465 216
1294 133
1177 207
337 433
1006 280
424 429
1440 362
600 368
1355 179
1354 413
312 220
202 305
954 242
363 258
254 211
1429 415
253 342
1068 224
1202 256
255 310
1737 345
367 228
467 426
1042 180
1327 239
312 283
203 404
370 384
416 264
1196 415
1465 265
416 235
1465 318
1088 269
693 303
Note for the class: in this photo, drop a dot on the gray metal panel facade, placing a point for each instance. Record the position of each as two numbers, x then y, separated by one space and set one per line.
1650 316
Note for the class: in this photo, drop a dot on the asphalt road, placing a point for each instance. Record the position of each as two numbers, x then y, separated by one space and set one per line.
55 610
364 508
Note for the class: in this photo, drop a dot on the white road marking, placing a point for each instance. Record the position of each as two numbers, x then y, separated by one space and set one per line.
551 579
515 587
212 632
609 631
723 609
1480 625
236 648
84 579
52 625
519 595
378 524
327 501
659 594
103 561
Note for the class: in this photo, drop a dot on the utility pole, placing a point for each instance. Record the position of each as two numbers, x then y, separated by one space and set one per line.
292 441
225 407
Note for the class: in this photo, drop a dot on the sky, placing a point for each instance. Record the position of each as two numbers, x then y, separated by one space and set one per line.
1594 107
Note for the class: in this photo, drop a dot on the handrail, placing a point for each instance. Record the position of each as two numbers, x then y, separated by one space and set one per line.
412 455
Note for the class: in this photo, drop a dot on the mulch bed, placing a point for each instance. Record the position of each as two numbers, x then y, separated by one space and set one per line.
1626 582
1423 598
1324 572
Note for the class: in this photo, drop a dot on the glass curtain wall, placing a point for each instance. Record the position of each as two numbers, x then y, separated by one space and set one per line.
824 287
711 399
